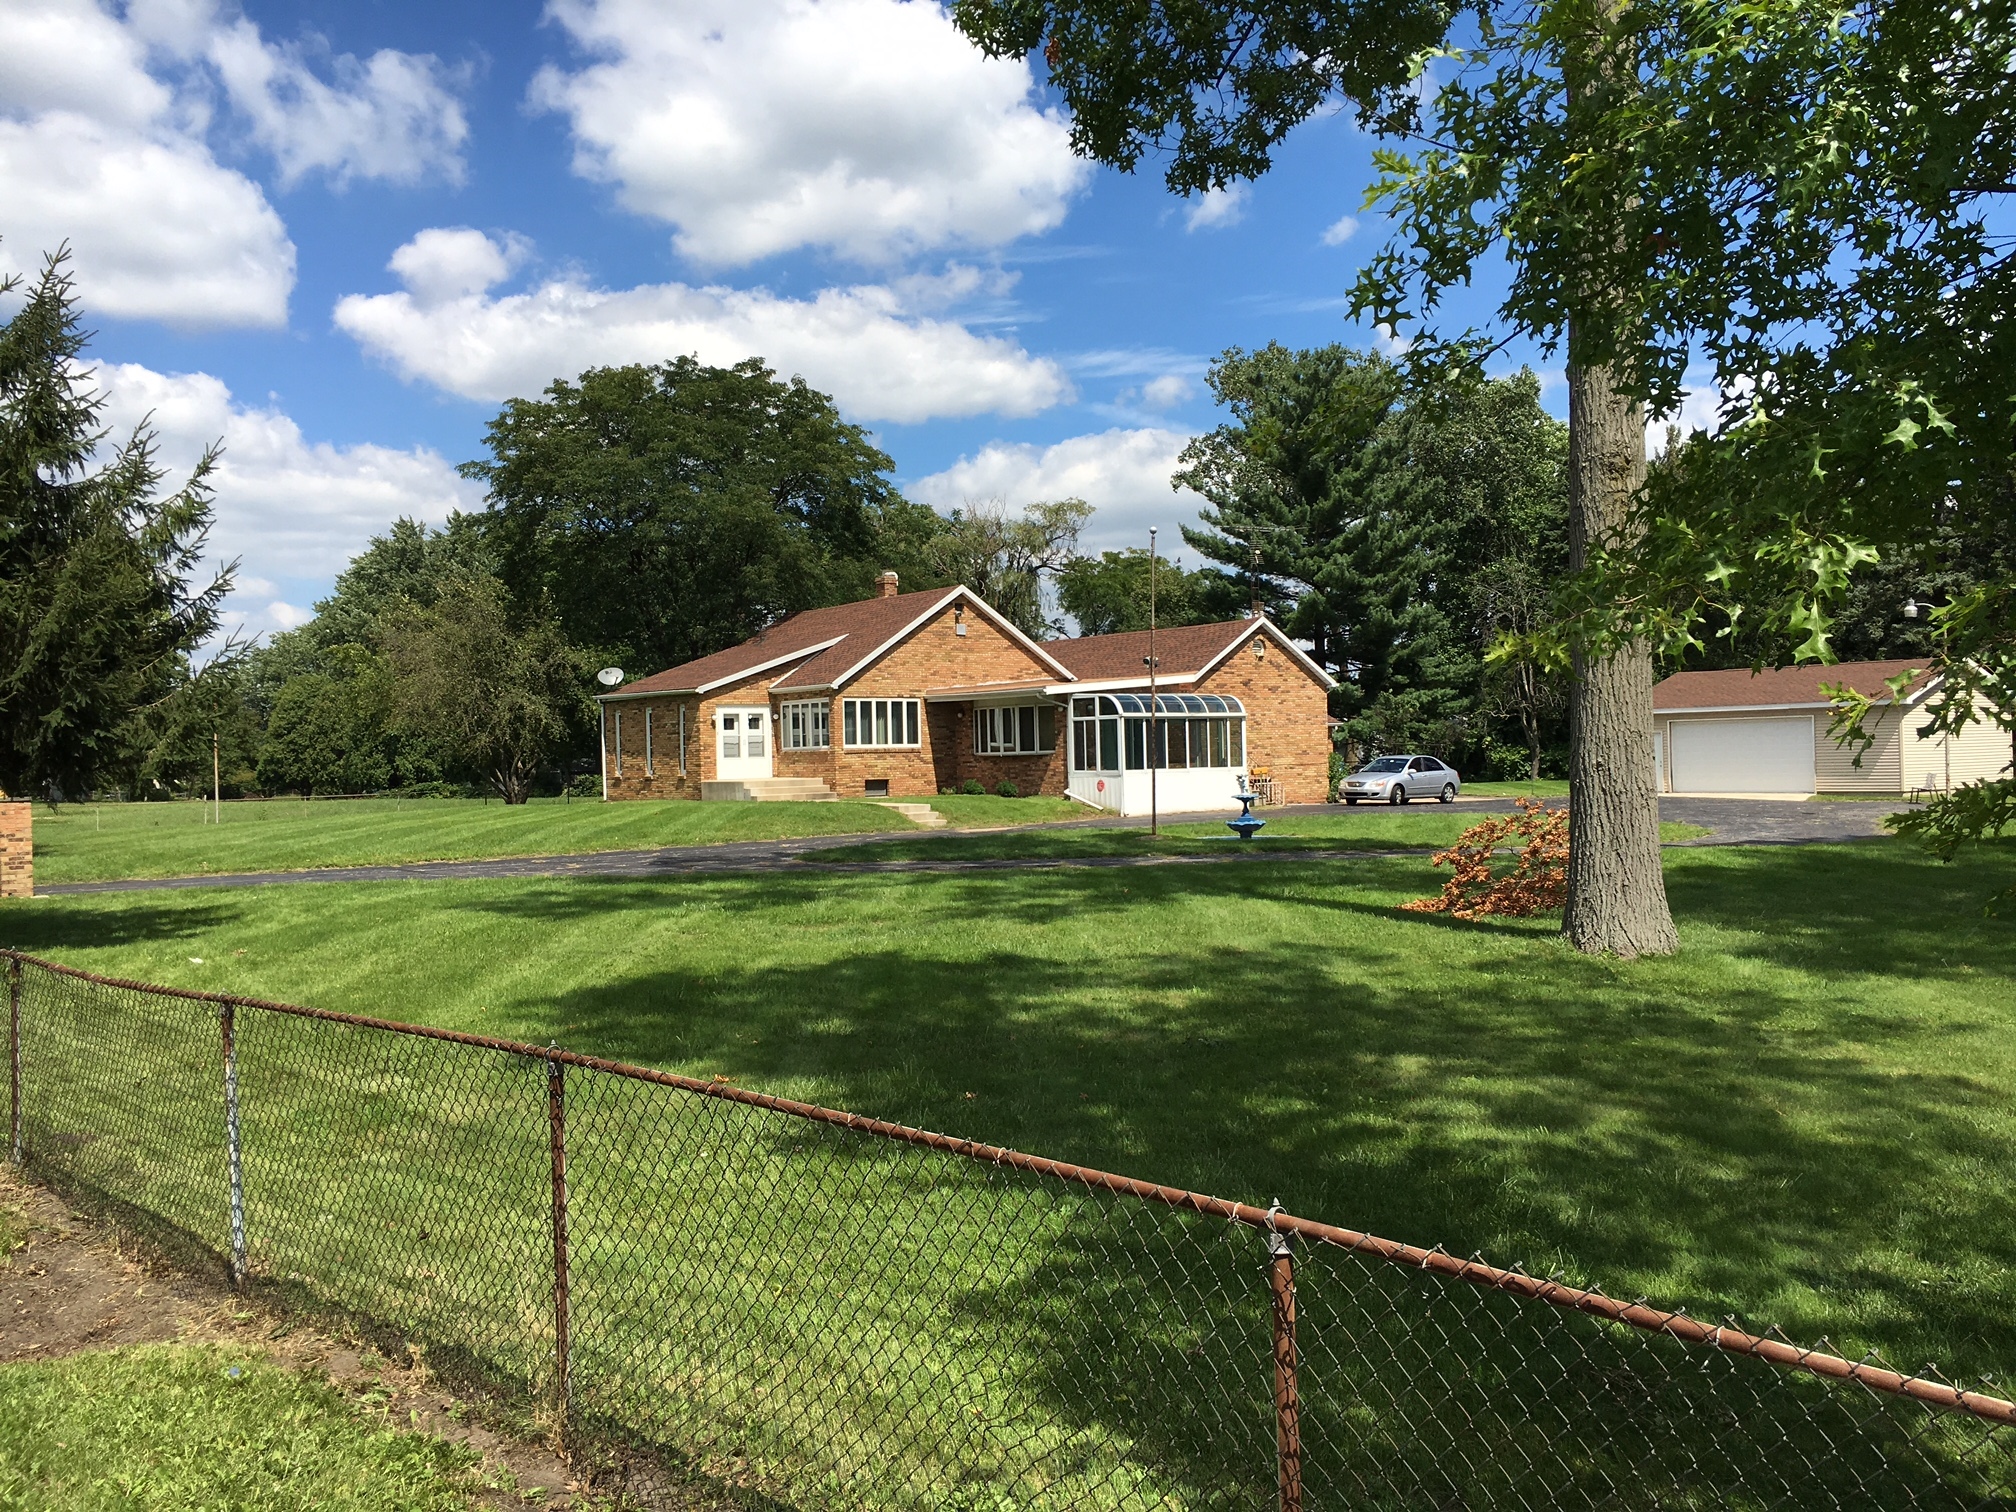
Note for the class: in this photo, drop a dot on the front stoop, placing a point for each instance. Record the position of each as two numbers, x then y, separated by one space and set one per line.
918 813
768 790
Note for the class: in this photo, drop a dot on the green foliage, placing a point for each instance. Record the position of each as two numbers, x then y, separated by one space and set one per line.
97 608
1400 528
1008 789
1108 593
180 1427
501 693
331 732
973 788
1005 560
668 511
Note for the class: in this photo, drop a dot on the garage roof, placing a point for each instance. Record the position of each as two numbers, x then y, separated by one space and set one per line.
1782 687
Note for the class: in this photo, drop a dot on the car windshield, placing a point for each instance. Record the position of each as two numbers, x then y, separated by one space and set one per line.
1388 764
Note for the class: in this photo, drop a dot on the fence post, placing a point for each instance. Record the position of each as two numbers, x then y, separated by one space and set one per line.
14 1058
233 1149
1287 1392
556 1121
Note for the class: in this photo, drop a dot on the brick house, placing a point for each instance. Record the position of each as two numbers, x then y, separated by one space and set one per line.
915 693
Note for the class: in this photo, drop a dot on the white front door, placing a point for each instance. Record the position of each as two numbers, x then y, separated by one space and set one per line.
742 740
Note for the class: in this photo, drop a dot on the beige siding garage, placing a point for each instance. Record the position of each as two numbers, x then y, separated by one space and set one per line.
1735 732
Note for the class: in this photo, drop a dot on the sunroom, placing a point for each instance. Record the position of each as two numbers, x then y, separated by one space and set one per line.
1193 744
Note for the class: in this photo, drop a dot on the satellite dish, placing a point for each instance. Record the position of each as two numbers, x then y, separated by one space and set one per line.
609 676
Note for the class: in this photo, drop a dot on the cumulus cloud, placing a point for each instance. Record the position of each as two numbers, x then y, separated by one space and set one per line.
107 121
1166 392
1123 474
157 228
1217 208
866 345
869 127
293 510
445 263
1340 231
391 116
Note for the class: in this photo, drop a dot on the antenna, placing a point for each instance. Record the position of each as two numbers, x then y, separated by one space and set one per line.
609 676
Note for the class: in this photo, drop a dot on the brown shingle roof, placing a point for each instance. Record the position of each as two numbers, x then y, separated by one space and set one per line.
1180 649
804 638
1740 688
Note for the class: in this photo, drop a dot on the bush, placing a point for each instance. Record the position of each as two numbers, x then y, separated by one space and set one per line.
972 788
1537 882
587 786
1008 789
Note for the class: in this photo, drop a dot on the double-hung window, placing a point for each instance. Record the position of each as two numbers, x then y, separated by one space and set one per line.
1027 730
806 726
867 722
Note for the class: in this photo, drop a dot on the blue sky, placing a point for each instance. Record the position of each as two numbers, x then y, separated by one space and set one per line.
336 236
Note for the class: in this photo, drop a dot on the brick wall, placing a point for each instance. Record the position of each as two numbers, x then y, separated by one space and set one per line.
1286 714
17 850
659 776
935 656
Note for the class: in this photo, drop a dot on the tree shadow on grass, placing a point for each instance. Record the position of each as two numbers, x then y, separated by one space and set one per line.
48 928
1716 1138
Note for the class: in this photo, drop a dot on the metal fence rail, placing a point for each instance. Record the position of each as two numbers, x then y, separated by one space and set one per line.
844 1312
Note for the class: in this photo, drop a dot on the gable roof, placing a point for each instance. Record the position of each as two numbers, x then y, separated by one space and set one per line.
823 648
1184 652
1782 687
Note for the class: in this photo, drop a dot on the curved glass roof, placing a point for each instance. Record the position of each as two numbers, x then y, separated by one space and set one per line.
1177 705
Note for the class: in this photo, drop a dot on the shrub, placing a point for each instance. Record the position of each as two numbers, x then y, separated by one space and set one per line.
971 787
1537 882
1008 789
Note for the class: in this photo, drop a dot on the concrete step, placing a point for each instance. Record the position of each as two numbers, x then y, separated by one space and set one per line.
768 790
918 813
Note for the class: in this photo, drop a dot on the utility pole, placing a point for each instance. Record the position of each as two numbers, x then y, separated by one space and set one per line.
216 779
1253 582
1154 704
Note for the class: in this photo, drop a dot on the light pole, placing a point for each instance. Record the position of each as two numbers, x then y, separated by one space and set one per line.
1154 704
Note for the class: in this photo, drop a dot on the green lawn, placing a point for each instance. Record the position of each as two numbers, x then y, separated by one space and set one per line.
1809 1116
93 843
1380 829
1546 787
174 1426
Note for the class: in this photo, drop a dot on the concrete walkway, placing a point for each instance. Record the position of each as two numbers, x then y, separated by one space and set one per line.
1733 821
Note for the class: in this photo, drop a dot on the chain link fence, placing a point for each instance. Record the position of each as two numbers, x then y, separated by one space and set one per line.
690 1279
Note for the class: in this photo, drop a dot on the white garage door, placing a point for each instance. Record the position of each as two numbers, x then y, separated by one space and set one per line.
1743 755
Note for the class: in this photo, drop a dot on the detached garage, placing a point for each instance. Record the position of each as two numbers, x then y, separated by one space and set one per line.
1767 733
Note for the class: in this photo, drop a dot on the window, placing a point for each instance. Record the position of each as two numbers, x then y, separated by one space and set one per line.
1105 729
731 736
1029 730
649 769
880 722
806 726
754 724
619 742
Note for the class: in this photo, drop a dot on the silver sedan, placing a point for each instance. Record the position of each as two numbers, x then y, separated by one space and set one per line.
1400 779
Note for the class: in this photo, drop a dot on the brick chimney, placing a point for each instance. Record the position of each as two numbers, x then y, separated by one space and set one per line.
885 585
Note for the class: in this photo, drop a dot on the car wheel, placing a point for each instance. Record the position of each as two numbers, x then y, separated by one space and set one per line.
1397 794
1448 792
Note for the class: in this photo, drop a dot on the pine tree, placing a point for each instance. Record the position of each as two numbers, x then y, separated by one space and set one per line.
97 613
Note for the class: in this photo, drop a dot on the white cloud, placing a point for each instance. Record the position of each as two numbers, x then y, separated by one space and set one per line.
1700 404
869 127
291 509
158 229
1217 208
866 345
392 116
445 263
1123 474
107 119
1340 231
1166 392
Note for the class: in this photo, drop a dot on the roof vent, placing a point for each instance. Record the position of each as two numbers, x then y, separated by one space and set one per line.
886 585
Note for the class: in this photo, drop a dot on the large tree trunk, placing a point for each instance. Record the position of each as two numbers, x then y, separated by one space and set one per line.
1616 889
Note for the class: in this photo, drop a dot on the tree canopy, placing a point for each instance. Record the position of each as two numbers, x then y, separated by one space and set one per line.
99 605
667 511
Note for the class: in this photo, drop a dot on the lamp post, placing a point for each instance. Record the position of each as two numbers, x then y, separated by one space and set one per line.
1154 704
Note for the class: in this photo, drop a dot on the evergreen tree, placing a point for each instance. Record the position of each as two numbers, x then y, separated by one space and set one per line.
98 612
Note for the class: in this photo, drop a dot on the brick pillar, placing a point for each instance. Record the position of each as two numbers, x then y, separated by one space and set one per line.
17 850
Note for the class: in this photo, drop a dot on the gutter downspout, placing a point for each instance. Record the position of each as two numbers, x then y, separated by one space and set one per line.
602 715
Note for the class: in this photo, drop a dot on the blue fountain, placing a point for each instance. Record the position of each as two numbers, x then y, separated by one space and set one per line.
1245 825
